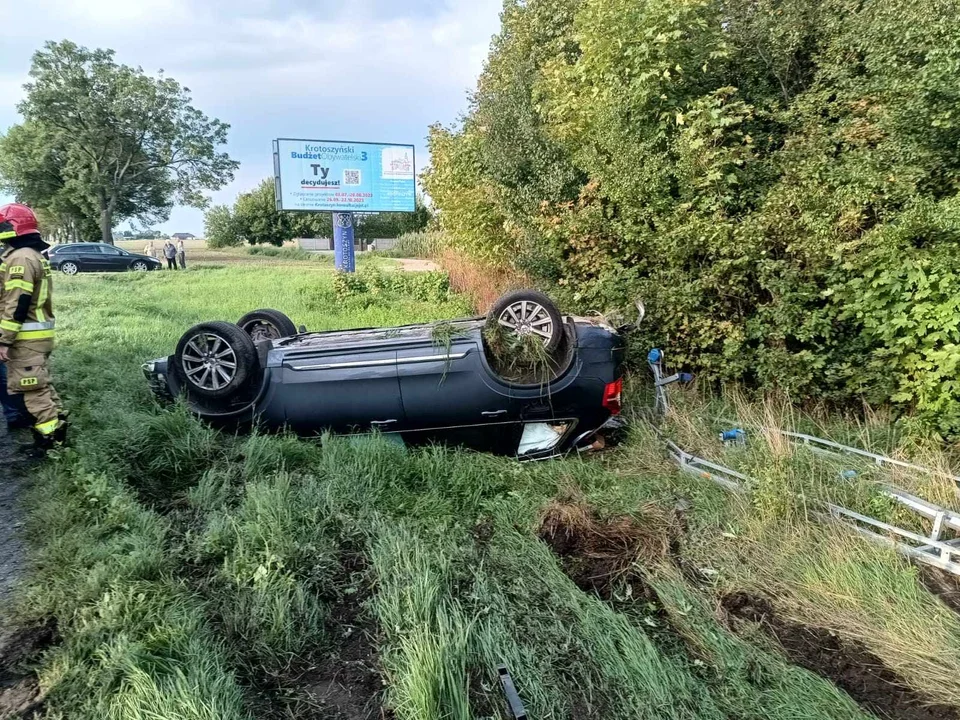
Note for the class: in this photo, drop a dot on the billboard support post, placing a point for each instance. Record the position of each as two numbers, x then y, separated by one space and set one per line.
343 250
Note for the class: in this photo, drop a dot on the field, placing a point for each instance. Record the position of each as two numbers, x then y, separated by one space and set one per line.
198 254
194 574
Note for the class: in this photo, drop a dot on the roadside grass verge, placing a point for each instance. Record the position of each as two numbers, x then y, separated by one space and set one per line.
198 574
766 542
288 255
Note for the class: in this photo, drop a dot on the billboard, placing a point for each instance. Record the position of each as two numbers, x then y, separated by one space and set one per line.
335 176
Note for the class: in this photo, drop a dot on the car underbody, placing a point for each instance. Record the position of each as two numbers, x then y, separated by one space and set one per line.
435 382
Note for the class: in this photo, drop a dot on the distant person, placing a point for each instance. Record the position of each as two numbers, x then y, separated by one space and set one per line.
182 254
149 250
170 253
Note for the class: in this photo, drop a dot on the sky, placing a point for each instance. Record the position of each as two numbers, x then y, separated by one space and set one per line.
361 70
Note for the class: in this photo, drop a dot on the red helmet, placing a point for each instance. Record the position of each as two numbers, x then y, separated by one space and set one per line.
17 220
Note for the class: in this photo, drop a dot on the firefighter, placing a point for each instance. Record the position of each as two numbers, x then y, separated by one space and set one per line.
26 323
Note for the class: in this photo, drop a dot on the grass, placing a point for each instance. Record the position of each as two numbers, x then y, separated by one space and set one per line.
290 254
189 568
426 245
519 358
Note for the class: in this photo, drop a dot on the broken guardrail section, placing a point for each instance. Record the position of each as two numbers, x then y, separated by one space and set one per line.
929 549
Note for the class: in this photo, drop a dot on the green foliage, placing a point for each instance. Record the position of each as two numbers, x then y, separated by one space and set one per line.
430 287
220 228
274 556
415 245
254 219
757 171
289 253
117 142
393 224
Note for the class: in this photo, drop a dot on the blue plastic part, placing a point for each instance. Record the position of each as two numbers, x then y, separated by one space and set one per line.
654 356
733 434
686 377
848 474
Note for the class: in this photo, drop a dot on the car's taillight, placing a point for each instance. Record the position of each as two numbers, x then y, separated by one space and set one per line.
611 396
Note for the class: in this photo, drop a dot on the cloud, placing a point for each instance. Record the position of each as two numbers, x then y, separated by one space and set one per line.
368 69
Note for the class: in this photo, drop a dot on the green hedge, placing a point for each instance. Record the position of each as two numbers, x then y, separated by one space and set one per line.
777 179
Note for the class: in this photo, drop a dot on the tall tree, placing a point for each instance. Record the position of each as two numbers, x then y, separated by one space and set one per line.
128 144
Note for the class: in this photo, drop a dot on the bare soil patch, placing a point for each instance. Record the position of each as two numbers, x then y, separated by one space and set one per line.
599 554
417 264
846 663
19 690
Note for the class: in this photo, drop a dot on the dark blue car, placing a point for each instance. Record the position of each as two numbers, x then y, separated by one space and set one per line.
426 383
72 258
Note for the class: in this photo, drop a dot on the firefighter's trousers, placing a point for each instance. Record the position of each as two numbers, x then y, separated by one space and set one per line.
28 374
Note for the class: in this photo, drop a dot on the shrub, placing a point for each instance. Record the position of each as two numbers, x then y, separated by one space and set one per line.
776 180
372 283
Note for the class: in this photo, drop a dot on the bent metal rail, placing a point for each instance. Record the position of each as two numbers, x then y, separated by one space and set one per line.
929 549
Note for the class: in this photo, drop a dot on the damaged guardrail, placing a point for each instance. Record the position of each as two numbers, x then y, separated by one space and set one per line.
930 549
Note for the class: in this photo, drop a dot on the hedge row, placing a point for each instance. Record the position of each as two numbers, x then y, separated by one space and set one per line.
777 178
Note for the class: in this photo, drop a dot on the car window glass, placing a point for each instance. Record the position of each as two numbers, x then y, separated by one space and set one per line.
109 250
68 250
538 437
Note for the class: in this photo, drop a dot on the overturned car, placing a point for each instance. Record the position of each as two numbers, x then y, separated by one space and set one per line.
523 381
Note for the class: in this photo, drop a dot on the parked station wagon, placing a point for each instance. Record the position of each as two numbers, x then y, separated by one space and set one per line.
423 383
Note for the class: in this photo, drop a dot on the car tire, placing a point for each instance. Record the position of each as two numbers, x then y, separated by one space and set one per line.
267 324
215 359
68 267
525 312
139 266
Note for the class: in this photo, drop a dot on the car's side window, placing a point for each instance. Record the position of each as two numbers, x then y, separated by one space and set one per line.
72 250
109 250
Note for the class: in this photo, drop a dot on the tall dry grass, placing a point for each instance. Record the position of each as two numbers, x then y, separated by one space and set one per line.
481 283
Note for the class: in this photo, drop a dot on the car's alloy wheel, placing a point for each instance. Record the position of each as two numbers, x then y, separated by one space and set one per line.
215 359
69 268
525 317
140 266
528 313
209 362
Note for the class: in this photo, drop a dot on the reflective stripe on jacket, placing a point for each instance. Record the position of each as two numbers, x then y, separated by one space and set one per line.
26 287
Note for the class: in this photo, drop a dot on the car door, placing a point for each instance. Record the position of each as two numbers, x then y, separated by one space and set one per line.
112 259
90 257
449 386
344 389
64 253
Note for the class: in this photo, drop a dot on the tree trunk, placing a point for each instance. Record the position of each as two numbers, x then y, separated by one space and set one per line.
106 225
